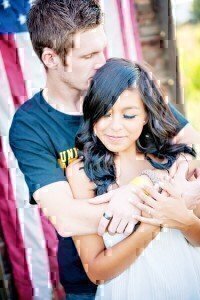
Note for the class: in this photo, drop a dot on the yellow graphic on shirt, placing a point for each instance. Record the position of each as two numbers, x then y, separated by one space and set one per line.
67 157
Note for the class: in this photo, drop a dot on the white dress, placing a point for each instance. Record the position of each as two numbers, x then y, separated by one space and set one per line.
168 269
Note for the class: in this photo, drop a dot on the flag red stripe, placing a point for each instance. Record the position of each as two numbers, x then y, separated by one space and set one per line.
18 91
51 245
12 233
11 61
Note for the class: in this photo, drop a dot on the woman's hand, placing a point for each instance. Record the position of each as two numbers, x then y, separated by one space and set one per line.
167 210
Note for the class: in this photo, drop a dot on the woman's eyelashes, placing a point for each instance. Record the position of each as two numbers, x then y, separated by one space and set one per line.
129 116
125 116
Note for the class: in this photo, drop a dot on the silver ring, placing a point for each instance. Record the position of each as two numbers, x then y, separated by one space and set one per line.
107 217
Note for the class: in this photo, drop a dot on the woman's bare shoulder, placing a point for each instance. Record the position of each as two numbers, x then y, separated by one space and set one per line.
75 167
80 184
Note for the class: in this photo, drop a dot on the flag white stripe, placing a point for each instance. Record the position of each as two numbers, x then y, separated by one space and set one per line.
112 28
32 68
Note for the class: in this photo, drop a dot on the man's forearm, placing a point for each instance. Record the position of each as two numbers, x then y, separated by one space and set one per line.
188 135
68 215
82 218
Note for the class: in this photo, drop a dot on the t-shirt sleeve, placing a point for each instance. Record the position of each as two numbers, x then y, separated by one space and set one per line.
182 121
36 161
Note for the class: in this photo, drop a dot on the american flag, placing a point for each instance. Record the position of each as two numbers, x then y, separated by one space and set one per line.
30 239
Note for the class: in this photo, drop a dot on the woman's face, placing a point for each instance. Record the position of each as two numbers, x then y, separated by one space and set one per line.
119 129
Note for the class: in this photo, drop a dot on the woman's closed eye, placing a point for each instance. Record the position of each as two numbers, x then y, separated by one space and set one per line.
129 116
107 115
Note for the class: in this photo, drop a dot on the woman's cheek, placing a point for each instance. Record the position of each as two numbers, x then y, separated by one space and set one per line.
102 125
136 130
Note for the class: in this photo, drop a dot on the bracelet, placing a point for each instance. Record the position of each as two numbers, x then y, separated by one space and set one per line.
153 177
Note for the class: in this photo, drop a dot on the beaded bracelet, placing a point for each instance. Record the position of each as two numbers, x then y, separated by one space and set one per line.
153 177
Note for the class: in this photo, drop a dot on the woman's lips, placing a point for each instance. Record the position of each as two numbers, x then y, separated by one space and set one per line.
114 138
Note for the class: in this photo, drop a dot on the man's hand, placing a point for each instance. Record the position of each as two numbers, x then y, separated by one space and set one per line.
189 187
120 210
182 161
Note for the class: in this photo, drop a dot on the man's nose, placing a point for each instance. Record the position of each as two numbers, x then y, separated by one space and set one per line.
101 61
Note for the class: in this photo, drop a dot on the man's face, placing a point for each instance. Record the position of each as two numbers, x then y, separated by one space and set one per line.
84 59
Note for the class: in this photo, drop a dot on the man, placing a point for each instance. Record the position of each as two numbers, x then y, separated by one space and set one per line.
69 39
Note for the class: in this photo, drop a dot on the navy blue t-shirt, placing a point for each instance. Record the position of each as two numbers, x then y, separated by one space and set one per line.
42 139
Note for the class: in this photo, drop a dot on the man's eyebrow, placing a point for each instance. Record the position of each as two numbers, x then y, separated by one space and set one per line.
96 51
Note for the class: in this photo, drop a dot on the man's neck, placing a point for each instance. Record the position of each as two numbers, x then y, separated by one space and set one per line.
63 98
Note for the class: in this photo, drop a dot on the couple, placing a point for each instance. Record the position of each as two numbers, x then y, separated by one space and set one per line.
69 39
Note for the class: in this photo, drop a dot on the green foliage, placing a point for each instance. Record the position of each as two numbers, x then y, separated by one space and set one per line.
188 42
196 9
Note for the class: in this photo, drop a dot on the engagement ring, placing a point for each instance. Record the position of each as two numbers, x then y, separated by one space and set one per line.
107 217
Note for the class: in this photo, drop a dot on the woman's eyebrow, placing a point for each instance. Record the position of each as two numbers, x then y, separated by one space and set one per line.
130 107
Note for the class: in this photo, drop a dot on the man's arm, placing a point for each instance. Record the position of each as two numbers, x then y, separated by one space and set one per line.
69 216
46 180
188 135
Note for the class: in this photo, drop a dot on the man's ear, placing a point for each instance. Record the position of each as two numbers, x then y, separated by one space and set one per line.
50 58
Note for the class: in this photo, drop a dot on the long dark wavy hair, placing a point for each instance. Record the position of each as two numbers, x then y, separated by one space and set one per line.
107 85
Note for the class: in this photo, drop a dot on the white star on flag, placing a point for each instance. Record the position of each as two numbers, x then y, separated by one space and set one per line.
5 4
22 19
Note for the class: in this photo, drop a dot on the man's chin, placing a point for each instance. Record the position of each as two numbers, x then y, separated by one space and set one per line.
83 88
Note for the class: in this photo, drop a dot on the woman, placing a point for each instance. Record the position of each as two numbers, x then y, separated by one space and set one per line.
128 129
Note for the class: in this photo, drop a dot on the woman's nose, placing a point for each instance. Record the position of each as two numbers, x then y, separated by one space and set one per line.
116 124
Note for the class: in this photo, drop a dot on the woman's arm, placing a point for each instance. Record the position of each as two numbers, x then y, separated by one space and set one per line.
99 263
103 264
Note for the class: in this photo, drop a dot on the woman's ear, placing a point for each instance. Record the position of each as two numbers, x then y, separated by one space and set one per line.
94 131
146 120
